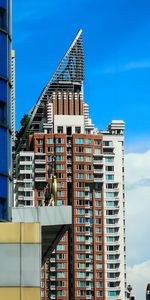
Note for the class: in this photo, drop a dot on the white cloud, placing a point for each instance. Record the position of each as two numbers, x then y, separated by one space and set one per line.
137 180
139 277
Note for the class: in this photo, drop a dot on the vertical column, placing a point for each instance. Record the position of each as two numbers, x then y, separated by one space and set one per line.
70 103
59 103
54 103
75 103
81 104
65 103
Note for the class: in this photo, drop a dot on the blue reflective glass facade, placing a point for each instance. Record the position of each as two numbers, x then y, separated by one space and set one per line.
5 147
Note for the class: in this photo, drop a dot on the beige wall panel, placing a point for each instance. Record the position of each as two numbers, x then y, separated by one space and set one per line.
9 233
30 233
9 293
30 293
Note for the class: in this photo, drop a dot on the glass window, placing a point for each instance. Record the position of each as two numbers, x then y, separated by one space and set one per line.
59 158
60 129
97 142
88 150
88 141
49 141
88 159
79 141
59 140
59 149
3 115
98 195
97 151
60 247
3 18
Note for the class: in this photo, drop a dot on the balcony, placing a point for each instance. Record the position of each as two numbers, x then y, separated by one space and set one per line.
98 179
40 179
87 189
40 161
87 215
52 260
52 287
40 170
52 278
98 162
87 242
98 171
52 269
88 278
87 224
87 233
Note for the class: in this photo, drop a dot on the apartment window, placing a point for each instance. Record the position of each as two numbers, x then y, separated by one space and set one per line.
80 176
79 141
81 283
112 294
80 184
98 229
59 167
60 256
109 168
60 275
49 158
79 149
88 159
109 177
99 266
60 202
59 149
59 175
79 194
98 257
80 238
77 129
27 168
88 167
40 194
40 150
50 149
98 195
27 176
59 140
27 184
98 221
109 159
60 247
39 141
97 151
110 195
81 265
80 220
79 167
106 143
60 265
98 239
49 141
79 158
88 141
99 294
97 142
80 256
99 285
80 247
61 293
59 158
60 129
98 248
88 176
60 184
80 202
28 158
88 150
60 193
28 194
80 229
80 211
99 275
80 274
61 283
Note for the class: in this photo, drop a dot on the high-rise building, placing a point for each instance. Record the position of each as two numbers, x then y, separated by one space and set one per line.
5 127
12 108
59 138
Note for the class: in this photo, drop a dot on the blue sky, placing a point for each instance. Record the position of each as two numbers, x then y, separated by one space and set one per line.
117 57
117 86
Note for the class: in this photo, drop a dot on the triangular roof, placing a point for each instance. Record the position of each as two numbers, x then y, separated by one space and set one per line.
69 71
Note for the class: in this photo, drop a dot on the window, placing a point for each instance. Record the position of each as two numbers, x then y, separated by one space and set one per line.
98 257
79 167
79 141
88 141
60 283
80 256
59 149
59 158
60 256
97 151
98 203
40 194
27 184
49 158
80 247
110 195
88 176
106 143
79 184
80 238
80 229
59 140
50 149
39 141
60 275
27 168
109 168
99 293
59 167
88 159
98 195
80 274
109 177
60 265
80 176
28 194
88 150
60 193
60 175
98 266
98 229
79 149
112 293
40 150
80 220
79 194
97 142
60 202
28 158
109 159
88 167
81 265
60 129
49 141
60 184
80 211
98 248
79 158
81 283
98 239
77 129
60 247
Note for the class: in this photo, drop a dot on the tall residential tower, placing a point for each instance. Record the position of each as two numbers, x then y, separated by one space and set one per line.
89 262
